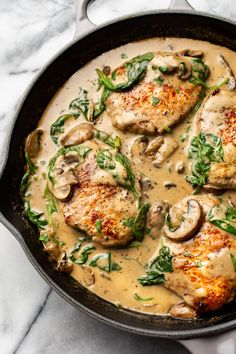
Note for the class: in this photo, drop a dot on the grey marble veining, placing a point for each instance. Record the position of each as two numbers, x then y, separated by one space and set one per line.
86 335
33 319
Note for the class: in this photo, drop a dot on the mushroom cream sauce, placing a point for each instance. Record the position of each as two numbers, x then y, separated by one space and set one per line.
121 287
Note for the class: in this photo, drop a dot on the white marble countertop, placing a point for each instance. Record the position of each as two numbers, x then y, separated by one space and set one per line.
33 319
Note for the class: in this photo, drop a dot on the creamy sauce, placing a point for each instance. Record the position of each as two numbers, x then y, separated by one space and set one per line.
120 287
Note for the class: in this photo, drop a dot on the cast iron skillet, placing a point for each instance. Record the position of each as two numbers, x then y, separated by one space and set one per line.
177 23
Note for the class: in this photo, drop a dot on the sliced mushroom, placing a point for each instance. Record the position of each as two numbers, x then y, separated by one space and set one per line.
180 167
169 184
71 158
52 248
64 265
105 276
62 193
64 183
167 148
156 217
138 147
191 53
182 310
166 60
231 202
190 222
106 70
88 275
213 189
32 145
146 183
185 69
173 63
232 82
78 135
154 145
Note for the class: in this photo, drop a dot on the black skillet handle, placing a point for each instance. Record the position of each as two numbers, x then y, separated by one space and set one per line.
83 23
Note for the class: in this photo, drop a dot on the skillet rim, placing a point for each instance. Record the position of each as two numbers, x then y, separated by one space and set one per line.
171 334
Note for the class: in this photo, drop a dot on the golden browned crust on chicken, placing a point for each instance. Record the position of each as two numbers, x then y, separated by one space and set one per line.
207 293
97 207
228 134
134 111
105 203
203 273
150 107
218 116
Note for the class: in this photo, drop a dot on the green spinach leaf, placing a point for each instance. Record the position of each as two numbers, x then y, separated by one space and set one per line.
134 244
76 247
97 261
115 267
136 69
200 74
101 105
152 278
159 80
139 225
105 160
168 222
130 183
81 104
204 149
139 298
35 217
83 257
233 259
161 264
80 149
51 208
58 126
129 222
155 101
98 225
231 214
31 170
44 238
225 220
115 142
163 69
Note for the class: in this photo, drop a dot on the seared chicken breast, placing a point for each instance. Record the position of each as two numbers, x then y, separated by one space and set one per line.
203 254
99 202
218 117
161 99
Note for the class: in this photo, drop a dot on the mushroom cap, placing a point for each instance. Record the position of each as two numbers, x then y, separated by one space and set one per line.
62 193
139 146
78 135
182 310
185 69
32 145
64 185
64 265
191 222
154 145
191 53
213 189
157 212
232 82
88 275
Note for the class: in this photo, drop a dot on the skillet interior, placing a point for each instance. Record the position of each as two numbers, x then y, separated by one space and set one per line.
157 24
